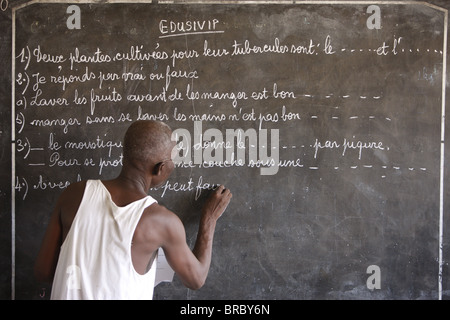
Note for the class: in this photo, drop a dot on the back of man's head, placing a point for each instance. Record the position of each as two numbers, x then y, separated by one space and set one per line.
146 143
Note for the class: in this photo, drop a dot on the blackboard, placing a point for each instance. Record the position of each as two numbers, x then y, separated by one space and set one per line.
333 115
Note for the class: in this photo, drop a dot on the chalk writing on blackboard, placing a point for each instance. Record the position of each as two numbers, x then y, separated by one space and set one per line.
39 90
323 119
169 28
4 5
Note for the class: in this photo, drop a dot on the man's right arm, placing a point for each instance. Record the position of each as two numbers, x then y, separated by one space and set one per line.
192 266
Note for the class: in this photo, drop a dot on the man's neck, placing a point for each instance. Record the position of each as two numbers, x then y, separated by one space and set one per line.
133 180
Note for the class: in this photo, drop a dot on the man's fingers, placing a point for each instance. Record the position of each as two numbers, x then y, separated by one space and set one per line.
224 191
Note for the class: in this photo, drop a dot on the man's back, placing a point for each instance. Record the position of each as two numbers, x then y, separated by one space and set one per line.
95 260
147 163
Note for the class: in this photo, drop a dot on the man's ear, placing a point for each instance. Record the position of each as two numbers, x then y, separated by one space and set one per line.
157 169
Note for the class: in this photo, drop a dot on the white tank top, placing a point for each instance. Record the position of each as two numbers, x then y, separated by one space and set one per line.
95 258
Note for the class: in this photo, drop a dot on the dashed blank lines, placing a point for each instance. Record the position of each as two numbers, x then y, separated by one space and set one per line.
346 96
384 170
403 50
354 117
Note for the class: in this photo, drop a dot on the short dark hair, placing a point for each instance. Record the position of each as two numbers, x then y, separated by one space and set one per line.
145 142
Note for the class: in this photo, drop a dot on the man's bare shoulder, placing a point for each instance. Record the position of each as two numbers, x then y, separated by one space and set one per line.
76 187
74 192
160 214
160 224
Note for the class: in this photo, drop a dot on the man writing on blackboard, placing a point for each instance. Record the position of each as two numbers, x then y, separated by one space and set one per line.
103 236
